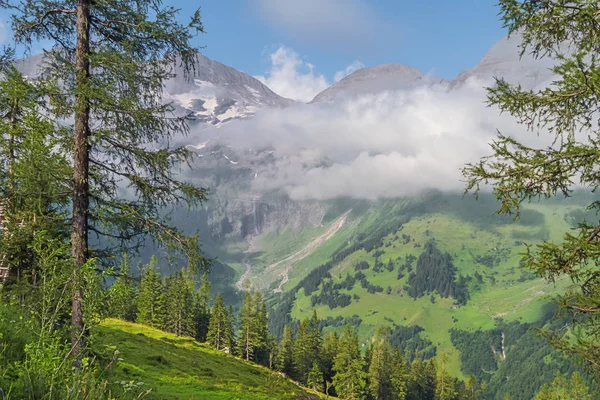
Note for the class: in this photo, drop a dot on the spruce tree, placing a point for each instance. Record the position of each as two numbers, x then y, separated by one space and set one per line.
398 374
123 294
315 378
430 380
34 179
285 360
151 297
417 381
218 327
179 318
331 346
379 373
445 388
350 380
303 356
202 308
112 59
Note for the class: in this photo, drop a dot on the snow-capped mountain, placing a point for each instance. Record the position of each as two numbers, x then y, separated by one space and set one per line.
213 92
371 80
217 94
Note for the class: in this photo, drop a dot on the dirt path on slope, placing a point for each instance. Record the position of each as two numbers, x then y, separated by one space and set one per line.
245 275
309 248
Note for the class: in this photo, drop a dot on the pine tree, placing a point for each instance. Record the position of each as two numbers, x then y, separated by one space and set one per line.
179 318
230 339
398 375
561 389
473 390
417 381
218 328
34 179
112 59
151 297
350 380
249 329
302 352
261 345
430 379
123 294
379 374
331 346
315 378
202 308
285 359
445 388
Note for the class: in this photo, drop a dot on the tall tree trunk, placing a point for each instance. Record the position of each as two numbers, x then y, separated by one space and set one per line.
79 236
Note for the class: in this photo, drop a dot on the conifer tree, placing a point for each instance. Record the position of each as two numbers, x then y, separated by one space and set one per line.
261 346
302 352
230 330
112 59
179 318
34 178
350 380
331 346
445 388
315 378
151 297
430 379
285 359
249 336
398 375
218 328
417 381
563 389
123 294
380 385
202 308
474 390
565 112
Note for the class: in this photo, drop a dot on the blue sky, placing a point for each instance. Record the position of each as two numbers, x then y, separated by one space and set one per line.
300 47
441 37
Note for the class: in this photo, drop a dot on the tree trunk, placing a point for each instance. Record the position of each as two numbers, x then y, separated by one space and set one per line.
79 236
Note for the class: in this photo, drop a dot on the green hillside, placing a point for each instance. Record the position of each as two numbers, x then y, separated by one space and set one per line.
179 367
485 249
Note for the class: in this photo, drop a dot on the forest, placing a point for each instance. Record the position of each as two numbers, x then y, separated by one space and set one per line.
91 171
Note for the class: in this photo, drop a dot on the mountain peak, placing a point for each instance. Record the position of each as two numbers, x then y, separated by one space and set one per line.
372 80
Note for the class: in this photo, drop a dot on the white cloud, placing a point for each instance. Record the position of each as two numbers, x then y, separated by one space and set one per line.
292 77
350 24
355 66
391 143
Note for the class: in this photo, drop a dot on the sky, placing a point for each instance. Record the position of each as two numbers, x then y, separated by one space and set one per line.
440 37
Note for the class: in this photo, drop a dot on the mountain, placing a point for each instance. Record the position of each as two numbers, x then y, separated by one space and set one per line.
371 80
217 94
503 60
213 92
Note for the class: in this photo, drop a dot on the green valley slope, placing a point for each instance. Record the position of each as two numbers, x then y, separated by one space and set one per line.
179 367
481 244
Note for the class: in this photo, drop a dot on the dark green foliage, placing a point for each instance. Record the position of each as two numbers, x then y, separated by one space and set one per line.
179 304
435 272
123 294
151 298
412 346
567 112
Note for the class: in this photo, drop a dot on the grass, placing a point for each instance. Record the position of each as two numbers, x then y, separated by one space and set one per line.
181 368
502 295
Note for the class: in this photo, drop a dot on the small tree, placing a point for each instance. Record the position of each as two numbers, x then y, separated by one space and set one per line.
315 378
219 324
151 298
123 294
285 360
